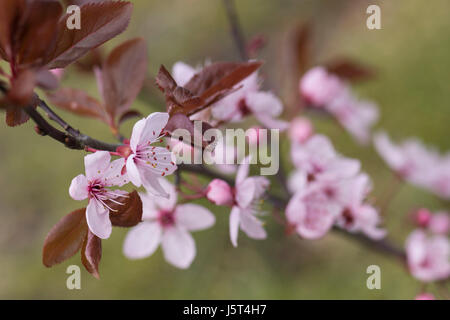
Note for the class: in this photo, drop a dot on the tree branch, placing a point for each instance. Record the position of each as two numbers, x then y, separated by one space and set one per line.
236 30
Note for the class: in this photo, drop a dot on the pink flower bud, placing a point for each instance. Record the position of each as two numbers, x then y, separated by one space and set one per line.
425 296
219 193
300 130
422 217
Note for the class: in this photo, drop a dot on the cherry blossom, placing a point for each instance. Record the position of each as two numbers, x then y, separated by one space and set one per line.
425 296
147 164
101 174
358 216
428 256
414 162
319 88
167 224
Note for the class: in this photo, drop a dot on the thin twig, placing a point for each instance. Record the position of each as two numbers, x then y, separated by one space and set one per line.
236 31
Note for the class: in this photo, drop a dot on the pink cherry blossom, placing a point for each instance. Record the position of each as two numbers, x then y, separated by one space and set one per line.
101 174
419 165
428 256
147 163
319 88
422 217
356 215
248 100
322 89
440 223
168 224
311 212
220 193
248 192
300 130
182 73
356 116
425 296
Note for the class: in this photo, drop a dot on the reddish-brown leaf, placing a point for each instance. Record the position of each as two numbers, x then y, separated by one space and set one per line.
100 22
350 70
219 77
91 253
123 75
15 116
77 101
129 115
302 47
65 238
181 121
129 213
35 33
22 87
10 11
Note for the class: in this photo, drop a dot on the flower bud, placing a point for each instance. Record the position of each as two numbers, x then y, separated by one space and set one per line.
219 192
300 130
422 217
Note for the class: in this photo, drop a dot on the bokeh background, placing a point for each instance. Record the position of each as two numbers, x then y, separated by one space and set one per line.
411 56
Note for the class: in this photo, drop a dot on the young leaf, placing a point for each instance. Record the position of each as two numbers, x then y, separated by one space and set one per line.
350 70
15 116
129 115
101 22
123 75
65 238
129 213
181 121
91 253
77 101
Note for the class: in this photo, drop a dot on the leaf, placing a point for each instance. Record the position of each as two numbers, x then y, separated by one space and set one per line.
129 115
129 213
36 31
10 11
22 87
46 80
101 22
123 75
76 101
15 116
91 253
181 121
220 76
65 238
178 99
350 70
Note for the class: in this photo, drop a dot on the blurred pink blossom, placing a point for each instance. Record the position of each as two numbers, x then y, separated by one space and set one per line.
428 256
440 223
319 88
425 296
101 174
168 224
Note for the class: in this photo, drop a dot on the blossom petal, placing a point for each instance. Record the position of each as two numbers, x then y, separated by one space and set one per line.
245 192
136 134
264 103
243 170
252 226
96 164
179 247
133 172
97 217
78 189
182 73
152 184
142 240
194 217
113 175
234 224
154 124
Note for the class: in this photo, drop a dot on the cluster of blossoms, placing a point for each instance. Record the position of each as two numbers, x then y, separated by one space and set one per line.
417 164
428 248
142 164
329 189
321 89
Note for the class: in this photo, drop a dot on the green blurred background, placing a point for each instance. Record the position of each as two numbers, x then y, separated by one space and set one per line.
411 55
